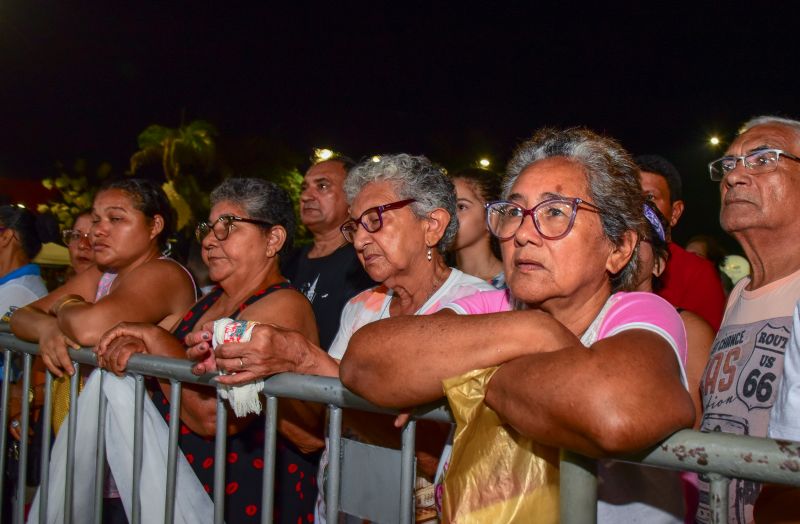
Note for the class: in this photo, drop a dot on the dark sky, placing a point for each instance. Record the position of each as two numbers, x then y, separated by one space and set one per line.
82 79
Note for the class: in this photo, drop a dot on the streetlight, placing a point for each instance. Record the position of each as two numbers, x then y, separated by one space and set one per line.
714 141
484 163
376 158
323 154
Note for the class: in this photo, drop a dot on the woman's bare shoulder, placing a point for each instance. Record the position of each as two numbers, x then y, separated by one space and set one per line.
284 307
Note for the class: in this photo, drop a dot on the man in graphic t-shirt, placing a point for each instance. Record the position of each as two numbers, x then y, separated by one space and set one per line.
326 271
759 181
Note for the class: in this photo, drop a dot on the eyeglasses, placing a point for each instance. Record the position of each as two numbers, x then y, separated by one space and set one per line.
757 163
222 226
371 219
553 218
69 236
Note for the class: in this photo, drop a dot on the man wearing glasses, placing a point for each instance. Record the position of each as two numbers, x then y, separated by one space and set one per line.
327 271
759 181
688 282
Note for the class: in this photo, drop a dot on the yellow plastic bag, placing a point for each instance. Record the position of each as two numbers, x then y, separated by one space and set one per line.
495 474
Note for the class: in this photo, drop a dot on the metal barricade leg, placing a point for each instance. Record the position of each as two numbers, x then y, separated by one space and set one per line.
270 443
47 420
172 453
220 449
138 436
408 473
718 498
22 471
100 466
334 463
578 479
4 420
72 428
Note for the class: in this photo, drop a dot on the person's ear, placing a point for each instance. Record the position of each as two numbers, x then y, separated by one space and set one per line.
156 226
621 254
677 211
6 236
435 226
276 237
659 267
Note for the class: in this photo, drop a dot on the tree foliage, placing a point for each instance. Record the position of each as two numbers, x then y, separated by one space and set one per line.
76 189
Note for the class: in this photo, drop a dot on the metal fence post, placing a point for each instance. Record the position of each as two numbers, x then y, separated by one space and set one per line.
22 471
334 463
172 453
270 444
408 473
578 479
220 449
4 420
72 427
47 421
718 498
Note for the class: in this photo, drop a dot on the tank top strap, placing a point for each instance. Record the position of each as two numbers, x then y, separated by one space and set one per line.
189 320
261 293
189 273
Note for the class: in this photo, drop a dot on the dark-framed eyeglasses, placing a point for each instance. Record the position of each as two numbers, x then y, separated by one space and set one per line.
553 218
222 226
371 219
71 236
757 163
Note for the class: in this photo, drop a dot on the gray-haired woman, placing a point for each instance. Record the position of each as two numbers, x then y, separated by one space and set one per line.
587 366
402 218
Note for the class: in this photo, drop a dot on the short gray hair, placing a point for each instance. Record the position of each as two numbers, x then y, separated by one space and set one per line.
261 200
613 180
412 177
770 119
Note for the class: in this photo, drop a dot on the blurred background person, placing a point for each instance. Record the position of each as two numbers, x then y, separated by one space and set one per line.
476 251
79 243
326 271
688 281
22 234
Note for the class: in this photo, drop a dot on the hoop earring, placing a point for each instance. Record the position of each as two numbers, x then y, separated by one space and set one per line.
430 257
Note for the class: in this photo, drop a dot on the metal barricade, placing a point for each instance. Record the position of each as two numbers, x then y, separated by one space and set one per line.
722 456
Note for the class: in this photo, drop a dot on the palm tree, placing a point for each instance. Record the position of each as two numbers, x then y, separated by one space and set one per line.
183 152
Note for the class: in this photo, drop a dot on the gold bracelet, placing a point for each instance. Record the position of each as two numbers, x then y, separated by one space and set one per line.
68 301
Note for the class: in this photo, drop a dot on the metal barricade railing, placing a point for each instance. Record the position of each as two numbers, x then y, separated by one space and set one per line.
721 456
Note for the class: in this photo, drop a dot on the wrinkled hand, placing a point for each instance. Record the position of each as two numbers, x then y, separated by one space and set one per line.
120 342
53 345
271 350
199 349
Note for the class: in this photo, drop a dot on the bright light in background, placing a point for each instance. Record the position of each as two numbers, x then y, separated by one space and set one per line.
484 162
323 154
21 206
714 141
376 158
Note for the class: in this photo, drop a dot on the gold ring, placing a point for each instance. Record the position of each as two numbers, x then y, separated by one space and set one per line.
241 363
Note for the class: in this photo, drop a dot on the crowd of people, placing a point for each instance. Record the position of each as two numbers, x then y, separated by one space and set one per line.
554 296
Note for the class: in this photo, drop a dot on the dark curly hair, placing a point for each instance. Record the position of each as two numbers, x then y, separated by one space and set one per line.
150 199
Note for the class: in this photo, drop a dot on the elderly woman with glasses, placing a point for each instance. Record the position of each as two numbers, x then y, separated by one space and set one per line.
402 219
250 226
583 364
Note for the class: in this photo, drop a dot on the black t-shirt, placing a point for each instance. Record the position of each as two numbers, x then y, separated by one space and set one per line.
328 282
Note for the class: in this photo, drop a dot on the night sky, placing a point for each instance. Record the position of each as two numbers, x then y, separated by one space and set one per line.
82 79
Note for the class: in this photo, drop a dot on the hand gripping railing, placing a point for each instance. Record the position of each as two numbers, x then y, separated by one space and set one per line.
721 456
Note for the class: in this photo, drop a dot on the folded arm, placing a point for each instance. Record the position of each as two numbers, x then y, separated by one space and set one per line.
153 292
622 394
401 362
